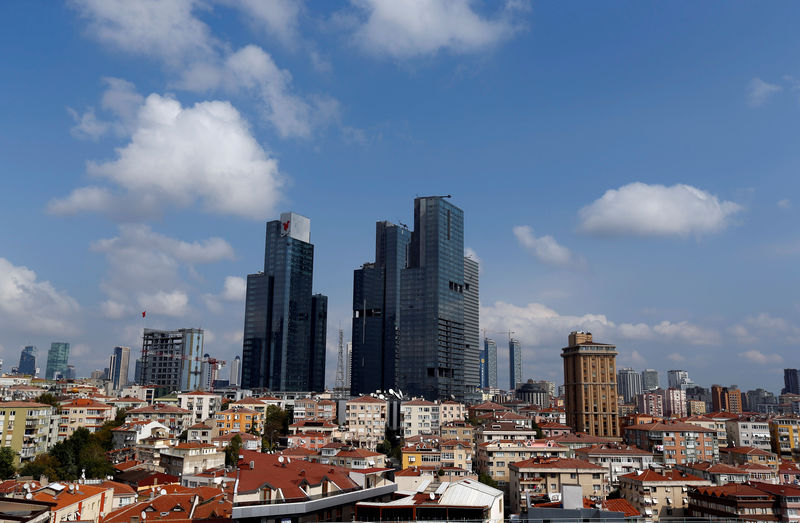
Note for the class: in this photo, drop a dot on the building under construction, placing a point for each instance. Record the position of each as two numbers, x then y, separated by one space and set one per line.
172 359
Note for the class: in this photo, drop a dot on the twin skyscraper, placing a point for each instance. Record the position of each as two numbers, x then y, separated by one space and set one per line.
415 310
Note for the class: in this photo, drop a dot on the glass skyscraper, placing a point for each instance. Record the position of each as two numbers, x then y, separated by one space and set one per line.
57 359
629 383
415 309
27 361
650 379
489 364
284 326
514 363
118 366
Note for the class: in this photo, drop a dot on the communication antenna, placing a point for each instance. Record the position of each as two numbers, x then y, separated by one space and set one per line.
338 387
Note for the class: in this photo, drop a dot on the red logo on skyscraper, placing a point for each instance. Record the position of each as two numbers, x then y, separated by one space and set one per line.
285 230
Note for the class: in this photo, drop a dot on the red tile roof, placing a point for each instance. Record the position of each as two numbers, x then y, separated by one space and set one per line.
366 399
64 498
23 404
671 426
159 408
556 463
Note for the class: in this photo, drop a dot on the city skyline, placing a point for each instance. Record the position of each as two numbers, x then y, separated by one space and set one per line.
547 129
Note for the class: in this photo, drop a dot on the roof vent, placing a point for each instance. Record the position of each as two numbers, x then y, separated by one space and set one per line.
252 465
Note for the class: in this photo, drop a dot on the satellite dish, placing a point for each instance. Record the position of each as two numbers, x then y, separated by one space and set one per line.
163 492
26 486
28 496
288 460
433 496
280 459
143 514
391 391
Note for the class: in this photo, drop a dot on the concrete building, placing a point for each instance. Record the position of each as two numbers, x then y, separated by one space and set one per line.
726 399
785 436
494 457
83 413
659 495
748 431
650 403
25 427
235 378
191 458
451 411
76 502
590 385
514 364
677 378
650 380
674 442
237 419
489 364
202 405
366 421
174 418
629 384
618 460
547 476
674 402
172 359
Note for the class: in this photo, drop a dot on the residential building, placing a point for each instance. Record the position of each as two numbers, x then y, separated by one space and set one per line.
118 367
83 413
695 407
732 502
674 442
366 421
311 408
174 418
437 353
590 384
494 457
629 384
76 502
727 399
451 411
547 476
514 363
616 459
460 430
716 473
650 380
716 421
674 402
27 361
274 487
748 430
746 455
284 327
172 359
191 458
236 372
658 495
421 455
24 511
457 454
504 430
650 403
238 420
24 427
132 433
57 359
203 405
489 364
419 417
785 435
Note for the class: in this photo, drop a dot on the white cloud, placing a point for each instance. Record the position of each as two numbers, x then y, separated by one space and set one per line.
172 303
30 305
425 27
469 252
545 248
278 18
251 69
657 210
235 288
179 156
761 358
759 91
785 204
687 332
145 270
87 125
168 30
677 358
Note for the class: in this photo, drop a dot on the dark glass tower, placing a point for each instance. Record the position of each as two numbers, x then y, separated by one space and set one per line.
472 348
791 381
57 358
376 308
283 348
27 361
489 364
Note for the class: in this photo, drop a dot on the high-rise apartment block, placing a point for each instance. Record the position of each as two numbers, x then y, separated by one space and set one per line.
489 364
415 309
590 373
118 367
651 403
514 364
236 372
284 324
629 384
57 359
791 381
676 377
728 399
674 401
650 380
27 361
172 359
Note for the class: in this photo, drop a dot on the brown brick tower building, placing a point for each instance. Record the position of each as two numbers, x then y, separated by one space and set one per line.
590 384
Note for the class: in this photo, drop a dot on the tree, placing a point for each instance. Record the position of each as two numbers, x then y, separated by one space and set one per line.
42 465
232 451
486 479
539 433
7 469
49 399
276 424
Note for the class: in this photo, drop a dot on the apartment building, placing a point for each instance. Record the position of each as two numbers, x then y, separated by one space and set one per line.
503 430
24 427
238 420
83 412
366 421
191 458
546 477
494 457
748 431
174 418
674 442
202 405
312 408
457 454
451 411
785 435
617 459
419 417
659 494
457 430
748 455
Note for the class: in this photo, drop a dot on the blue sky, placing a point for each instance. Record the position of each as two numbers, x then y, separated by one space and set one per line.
626 168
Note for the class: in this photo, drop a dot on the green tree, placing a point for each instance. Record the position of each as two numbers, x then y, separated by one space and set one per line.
276 424
486 479
232 451
41 465
49 399
7 469
93 462
539 433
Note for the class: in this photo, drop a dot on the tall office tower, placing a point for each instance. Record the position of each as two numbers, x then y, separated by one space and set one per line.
376 312
791 381
728 399
676 378
172 359
280 351
650 380
514 364
57 359
629 383
489 377
236 372
432 360
137 372
472 333
118 367
70 374
319 334
27 361
590 374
